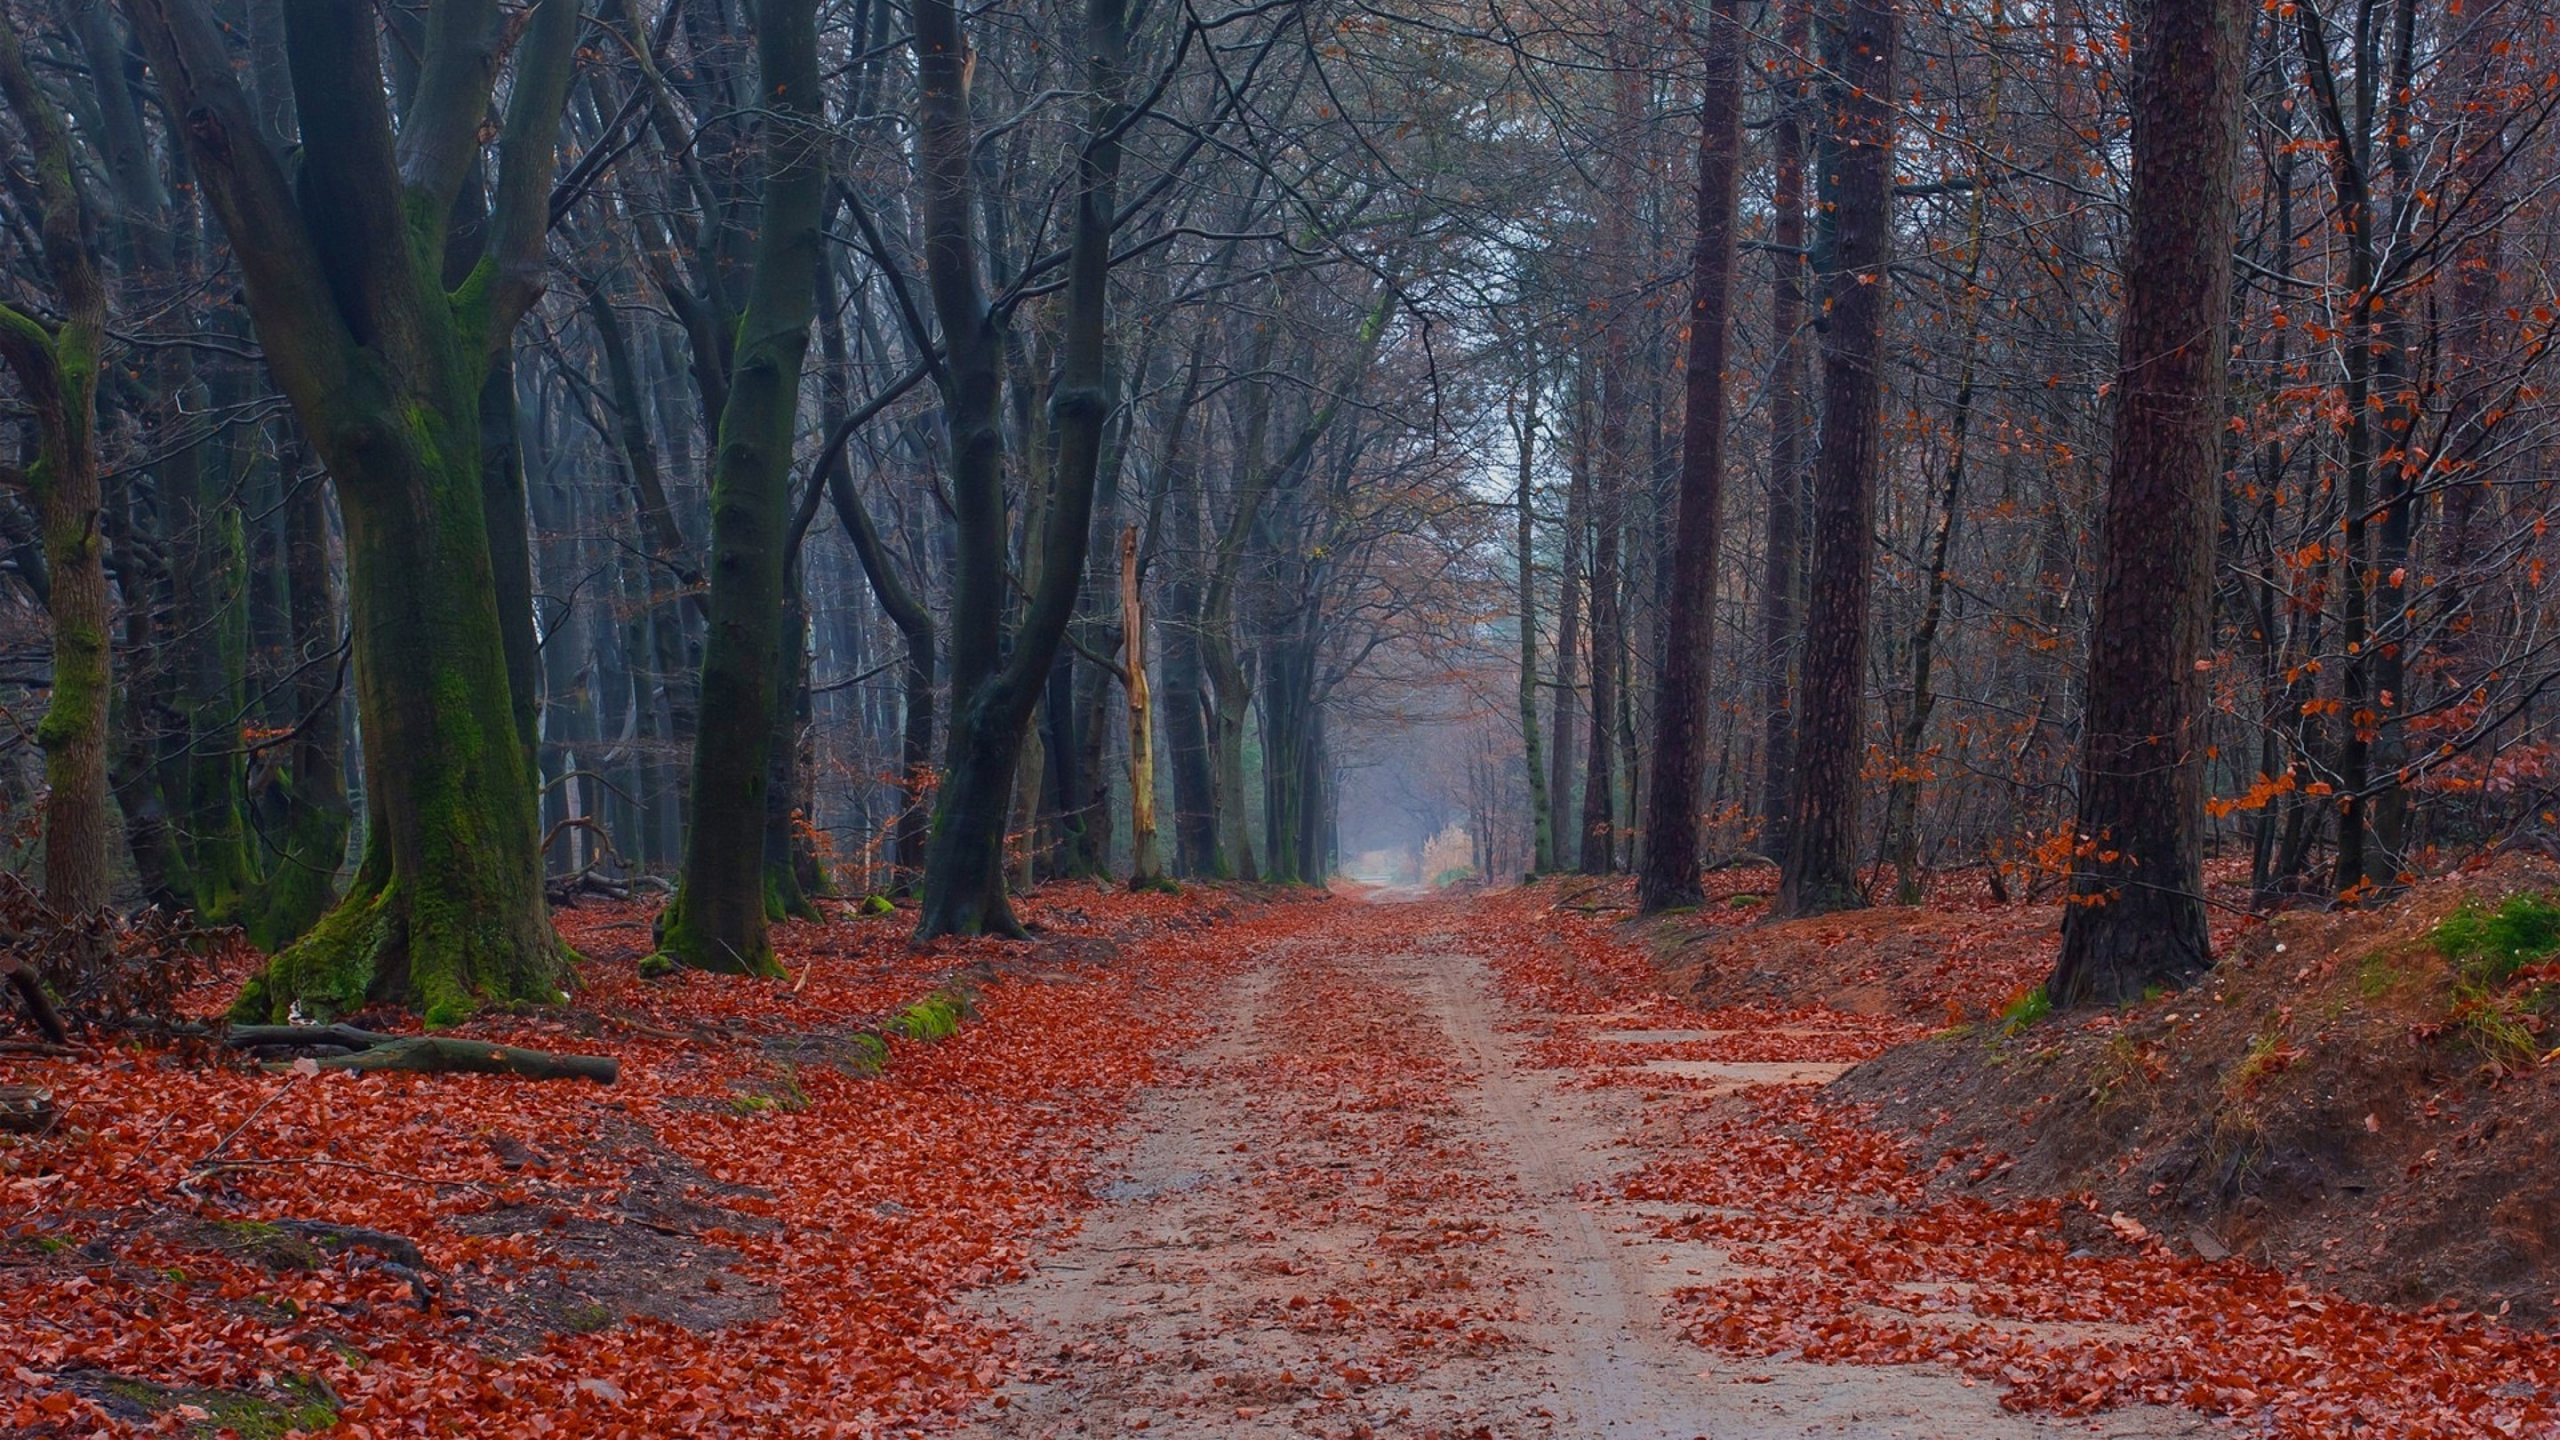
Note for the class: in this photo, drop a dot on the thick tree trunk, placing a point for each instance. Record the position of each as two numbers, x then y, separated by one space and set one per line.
385 367
2136 917
58 372
992 692
1820 871
717 919
1669 874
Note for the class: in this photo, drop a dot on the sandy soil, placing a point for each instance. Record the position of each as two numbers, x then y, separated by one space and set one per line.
1361 1209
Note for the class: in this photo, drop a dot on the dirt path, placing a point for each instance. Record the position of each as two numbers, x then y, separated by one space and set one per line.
1364 1208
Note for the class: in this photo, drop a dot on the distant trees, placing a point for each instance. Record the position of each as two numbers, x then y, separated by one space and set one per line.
1101 405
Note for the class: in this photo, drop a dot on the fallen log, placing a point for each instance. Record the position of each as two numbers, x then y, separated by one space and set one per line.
330 1236
259 1037
354 1049
442 1055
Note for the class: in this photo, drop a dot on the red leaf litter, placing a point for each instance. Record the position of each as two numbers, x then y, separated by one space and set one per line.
1853 1263
808 1239
847 1215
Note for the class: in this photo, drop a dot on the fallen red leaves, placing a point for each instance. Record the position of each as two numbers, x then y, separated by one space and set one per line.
1849 1261
831 1222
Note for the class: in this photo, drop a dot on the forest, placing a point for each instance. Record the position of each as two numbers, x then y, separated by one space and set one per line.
607 603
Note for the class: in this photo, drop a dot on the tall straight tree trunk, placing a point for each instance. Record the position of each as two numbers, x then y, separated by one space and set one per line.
1192 753
1669 874
993 693
1542 819
717 920
1782 573
1821 873
341 265
1563 707
2136 917
1598 854
57 371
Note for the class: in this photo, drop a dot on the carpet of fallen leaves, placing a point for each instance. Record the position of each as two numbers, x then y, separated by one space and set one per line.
830 1219
1849 1261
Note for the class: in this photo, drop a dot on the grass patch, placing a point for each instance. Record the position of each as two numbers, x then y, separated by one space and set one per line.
2029 1007
935 1017
2490 946
2377 974
2269 1055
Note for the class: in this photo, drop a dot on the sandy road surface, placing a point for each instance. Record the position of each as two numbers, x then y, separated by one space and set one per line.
1362 1209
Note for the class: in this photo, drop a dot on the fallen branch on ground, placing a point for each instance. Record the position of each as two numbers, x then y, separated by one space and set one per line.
423 1054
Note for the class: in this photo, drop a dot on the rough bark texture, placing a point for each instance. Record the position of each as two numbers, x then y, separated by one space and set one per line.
57 373
1669 873
992 692
2136 916
1820 871
717 919
384 366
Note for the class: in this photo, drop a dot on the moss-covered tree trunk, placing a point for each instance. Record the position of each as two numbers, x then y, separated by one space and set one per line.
717 919
57 373
342 267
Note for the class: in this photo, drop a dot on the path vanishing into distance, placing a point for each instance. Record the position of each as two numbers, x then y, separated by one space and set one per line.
1389 1195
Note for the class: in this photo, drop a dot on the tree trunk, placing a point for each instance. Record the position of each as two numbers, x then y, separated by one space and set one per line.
717 919
2136 916
1782 575
1669 875
1563 707
1542 819
341 266
58 372
1822 826
1144 870
993 693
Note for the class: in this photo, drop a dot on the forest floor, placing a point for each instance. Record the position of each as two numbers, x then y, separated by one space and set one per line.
1218 1164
